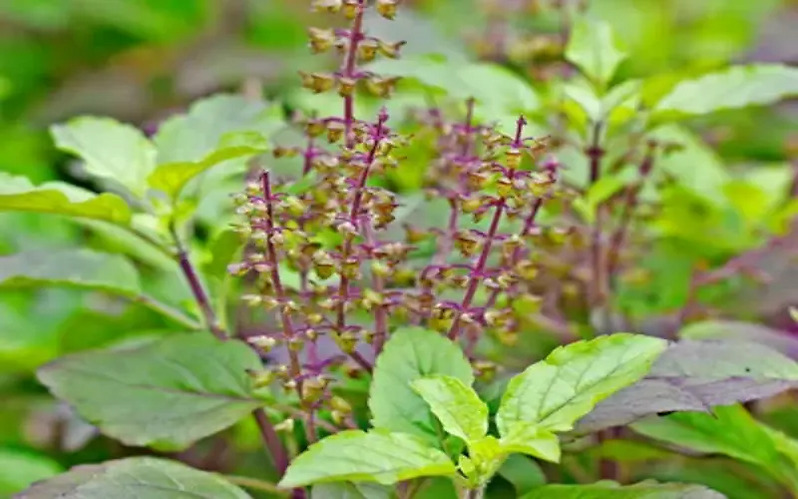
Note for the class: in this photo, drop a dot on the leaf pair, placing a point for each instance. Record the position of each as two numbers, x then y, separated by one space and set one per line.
410 394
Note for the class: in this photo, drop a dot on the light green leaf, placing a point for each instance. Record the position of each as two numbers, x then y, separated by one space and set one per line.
528 438
348 490
607 490
377 456
412 353
111 150
455 404
523 473
134 478
594 48
557 391
18 194
730 431
485 457
195 136
70 268
19 469
171 178
168 393
732 88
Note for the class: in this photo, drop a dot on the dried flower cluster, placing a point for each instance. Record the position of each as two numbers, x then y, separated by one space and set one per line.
331 228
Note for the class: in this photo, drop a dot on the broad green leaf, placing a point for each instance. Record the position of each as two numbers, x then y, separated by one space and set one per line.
349 490
557 391
594 48
80 268
485 457
607 490
195 136
376 456
111 150
528 438
456 405
19 469
694 376
523 473
732 88
412 353
171 178
730 431
168 393
18 194
134 478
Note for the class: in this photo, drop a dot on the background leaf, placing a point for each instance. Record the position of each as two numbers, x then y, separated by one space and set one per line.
643 490
695 376
594 48
730 431
456 405
135 477
18 469
348 490
79 268
168 393
557 391
731 88
110 150
18 194
410 354
377 456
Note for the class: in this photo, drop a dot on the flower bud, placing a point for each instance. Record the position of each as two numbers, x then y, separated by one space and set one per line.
382 86
390 50
387 8
261 378
263 342
317 82
321 39
346 87
367 50
340 405
331 6
466 243
286 426
350 8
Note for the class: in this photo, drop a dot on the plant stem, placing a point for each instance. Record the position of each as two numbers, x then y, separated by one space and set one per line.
348 71
380 313
200 296
268 433
598 289
256 484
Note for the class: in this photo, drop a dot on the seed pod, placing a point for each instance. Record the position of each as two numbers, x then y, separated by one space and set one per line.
321 39
346 87
317 82
323 264
350 8
367 50
466 243
261 378
263 342
331 6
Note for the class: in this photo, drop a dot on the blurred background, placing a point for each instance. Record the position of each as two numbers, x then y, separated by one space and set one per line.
141 60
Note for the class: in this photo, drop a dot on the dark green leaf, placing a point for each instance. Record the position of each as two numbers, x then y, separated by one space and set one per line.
134 478
168 393
523 473
410 354
377 456
348 490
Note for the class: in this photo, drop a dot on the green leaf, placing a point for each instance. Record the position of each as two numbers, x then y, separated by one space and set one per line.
168 393
195 136
557 391
81 268
19 469
607 490
455 404
111 150
528 438
18 194
376 456
135 477
523 473
733 88
348 490
594 48
743 331
171 178
730 431
412 353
